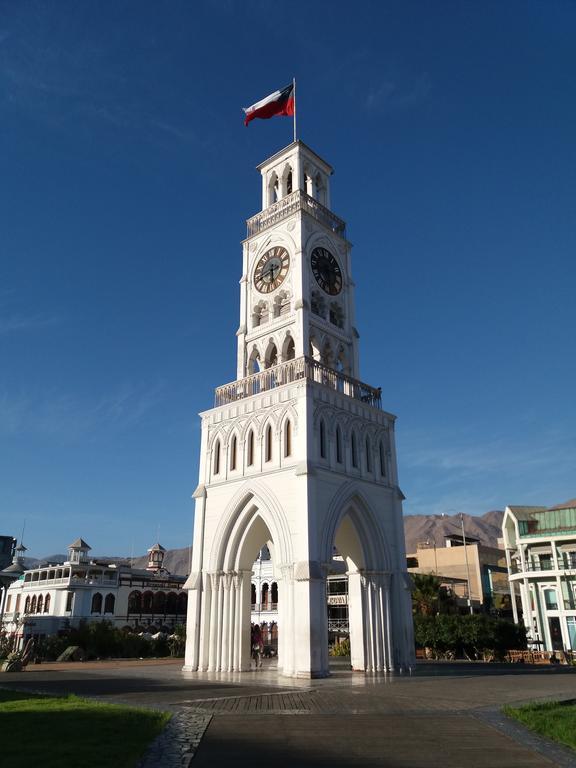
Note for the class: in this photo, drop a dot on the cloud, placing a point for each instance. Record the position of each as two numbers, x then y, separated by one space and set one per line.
391 94
11 323
71 418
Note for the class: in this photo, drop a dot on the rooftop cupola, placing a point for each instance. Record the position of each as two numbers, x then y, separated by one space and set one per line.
156 558
295 168
78 551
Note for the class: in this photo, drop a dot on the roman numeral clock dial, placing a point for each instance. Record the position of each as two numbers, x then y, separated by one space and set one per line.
326 270
271 269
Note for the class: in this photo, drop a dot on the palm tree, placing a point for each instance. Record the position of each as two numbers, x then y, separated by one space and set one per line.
426 594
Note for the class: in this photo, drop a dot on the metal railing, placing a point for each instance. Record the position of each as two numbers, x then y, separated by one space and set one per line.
296 201
293 370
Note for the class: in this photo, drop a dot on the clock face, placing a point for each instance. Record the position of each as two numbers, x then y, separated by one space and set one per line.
326 270
271 269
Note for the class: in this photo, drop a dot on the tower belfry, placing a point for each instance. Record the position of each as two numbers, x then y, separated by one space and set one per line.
297 452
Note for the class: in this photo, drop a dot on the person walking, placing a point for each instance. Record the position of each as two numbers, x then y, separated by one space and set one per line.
256 645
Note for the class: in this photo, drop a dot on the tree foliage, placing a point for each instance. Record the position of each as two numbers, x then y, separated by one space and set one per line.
473 636
429 596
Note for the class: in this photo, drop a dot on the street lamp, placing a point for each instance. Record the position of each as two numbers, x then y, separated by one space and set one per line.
471 609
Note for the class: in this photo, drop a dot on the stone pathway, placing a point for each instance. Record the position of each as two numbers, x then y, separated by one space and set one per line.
444 715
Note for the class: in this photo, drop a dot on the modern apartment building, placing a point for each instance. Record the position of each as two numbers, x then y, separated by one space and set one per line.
541 556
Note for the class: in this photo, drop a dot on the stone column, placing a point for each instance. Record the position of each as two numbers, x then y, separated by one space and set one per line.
226 584
356 611
212 628
310 620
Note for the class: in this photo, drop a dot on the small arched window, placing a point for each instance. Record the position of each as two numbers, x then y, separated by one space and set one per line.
368 455
253 595
265 596
40 604
109 603
27 605
33 605
250 451
147 599
288 438
354 446
233 448
96 603
47 604
135 602
268 444
217 457
338 445
382 460
322 439
274 594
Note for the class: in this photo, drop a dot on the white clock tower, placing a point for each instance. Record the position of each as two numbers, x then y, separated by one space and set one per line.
297 452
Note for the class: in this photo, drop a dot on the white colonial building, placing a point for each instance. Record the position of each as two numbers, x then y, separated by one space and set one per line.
54 597
541 554
297 453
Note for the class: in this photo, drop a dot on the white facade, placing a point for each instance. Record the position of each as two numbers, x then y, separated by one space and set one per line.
52 598
297 453
541 554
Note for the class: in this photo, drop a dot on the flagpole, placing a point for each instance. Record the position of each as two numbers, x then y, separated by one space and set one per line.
294 89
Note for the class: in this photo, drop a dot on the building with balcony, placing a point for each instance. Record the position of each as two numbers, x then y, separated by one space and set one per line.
468 569
541 556
264 600
54 597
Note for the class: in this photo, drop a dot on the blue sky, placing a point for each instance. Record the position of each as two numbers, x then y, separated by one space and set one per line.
126 175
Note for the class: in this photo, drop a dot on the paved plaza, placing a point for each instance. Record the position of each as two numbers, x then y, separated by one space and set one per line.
442 715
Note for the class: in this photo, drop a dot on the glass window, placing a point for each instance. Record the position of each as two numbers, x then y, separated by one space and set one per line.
571 624
550 599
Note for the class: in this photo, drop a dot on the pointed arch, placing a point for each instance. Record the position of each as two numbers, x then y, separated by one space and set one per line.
368 446
349 502
288 348
314 348
354 449
40 604
327 357
322 438
339 445
287 438
47 604
382 456
273 191
96 603
250 448
254 361
253 509
233 460
216 457
287 180
268 443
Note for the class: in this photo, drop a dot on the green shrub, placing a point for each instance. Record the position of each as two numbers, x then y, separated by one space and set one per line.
473 636
340 649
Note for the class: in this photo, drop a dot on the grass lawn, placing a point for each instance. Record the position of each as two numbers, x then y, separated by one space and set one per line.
551 719
69 731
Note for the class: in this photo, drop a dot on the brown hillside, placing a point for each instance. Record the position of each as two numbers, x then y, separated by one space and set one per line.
434 528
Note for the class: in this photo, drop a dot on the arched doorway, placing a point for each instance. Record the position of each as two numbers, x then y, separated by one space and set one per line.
221 597
355 534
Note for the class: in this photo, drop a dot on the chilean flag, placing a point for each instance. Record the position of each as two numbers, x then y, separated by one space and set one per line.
278 103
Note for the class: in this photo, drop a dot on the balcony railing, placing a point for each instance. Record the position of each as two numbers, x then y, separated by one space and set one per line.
293 370
296 201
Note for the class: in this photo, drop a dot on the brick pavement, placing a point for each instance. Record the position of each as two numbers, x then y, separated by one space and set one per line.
442 715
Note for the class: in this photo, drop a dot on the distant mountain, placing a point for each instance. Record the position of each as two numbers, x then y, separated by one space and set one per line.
434 528
417 528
